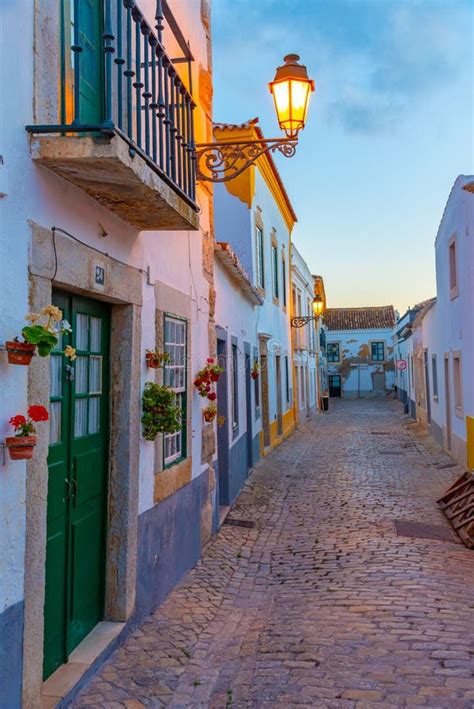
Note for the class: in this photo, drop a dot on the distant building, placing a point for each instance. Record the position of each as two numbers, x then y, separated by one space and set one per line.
403 355
359 351
305 340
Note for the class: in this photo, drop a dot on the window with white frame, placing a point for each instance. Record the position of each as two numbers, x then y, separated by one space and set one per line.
434 376
333 352
287 381
235 387
174 444
260 270
453 268
457 376
283 280
377 351
275 282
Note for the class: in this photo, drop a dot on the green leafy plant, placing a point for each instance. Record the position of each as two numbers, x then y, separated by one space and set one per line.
45 334
161 413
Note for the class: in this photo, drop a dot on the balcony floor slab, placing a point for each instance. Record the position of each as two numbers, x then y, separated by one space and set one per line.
121 182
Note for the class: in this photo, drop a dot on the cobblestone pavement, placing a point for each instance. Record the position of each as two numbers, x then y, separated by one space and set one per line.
321 604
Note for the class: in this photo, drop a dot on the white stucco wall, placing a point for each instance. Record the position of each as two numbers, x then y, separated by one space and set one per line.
235 223
455 312
273 319
36 194
237 316
306 338
355 349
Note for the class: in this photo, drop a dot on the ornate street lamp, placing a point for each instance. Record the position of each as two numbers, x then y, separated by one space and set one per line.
318 307
291 89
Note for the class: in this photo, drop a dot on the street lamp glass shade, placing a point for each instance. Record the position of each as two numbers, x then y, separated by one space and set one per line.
318 305
291 89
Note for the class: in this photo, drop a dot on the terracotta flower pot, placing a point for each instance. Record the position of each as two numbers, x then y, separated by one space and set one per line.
19 352
20 447
254 375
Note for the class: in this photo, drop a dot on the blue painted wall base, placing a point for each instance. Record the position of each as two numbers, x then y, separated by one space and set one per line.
169 543
11 655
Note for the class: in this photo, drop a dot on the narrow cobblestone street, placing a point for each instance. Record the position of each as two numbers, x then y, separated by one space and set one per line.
321 604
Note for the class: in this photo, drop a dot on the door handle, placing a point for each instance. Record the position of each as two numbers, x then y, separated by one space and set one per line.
74 484
68 493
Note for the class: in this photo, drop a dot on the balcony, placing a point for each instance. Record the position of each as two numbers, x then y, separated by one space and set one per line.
126 130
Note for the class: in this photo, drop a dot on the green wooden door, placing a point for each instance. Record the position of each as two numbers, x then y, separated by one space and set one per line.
77 485
90 14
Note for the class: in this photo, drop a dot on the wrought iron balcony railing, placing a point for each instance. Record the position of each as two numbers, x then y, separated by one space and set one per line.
143 99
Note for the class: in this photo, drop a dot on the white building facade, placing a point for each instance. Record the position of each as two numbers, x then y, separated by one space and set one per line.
254 215
238 389
305 339
102 218
442 339
359 351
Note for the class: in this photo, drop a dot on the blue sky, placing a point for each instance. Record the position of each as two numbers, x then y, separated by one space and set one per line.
390 127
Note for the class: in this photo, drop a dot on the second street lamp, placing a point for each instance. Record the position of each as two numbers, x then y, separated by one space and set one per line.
318 308
291 89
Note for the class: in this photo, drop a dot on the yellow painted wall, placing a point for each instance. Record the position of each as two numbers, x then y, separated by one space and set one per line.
470 441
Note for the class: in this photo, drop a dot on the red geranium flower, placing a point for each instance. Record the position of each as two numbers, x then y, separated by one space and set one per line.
17 421
210 360
212 396
38 413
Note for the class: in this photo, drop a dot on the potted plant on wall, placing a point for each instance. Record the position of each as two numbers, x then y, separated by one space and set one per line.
210 413
41 336
255 369
155 359
161 413
21 445
207 377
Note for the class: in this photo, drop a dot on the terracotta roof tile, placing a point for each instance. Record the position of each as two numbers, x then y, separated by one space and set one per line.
360 318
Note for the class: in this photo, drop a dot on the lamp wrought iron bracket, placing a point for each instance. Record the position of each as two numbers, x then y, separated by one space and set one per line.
224 160
301 322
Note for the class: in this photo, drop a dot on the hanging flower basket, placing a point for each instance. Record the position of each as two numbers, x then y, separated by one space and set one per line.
209 413
20 447
206 378
19 352
155 359
255 370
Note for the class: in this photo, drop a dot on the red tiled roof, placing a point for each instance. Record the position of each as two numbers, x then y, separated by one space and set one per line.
360 318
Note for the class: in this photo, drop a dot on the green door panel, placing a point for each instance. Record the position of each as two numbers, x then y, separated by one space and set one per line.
91 57
87 578
55 604
91 60
90 477
77 483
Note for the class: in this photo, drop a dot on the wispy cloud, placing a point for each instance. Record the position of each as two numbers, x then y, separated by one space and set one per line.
374 59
